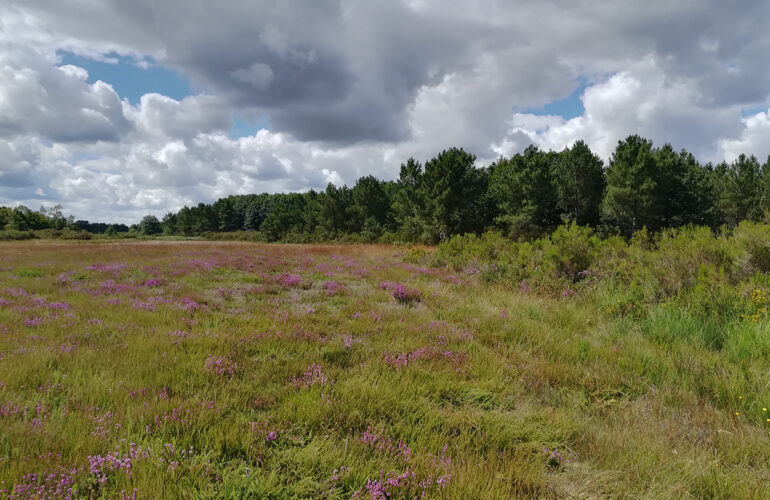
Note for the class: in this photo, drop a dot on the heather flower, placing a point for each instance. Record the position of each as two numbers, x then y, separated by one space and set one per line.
406 296
555 458
375 438
115 461
145 305
191 305
288 280
33 321
334 288
312 376
220 366
178 334
67 347
109 268
57 305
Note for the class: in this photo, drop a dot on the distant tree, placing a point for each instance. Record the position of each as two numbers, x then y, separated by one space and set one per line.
685 189
634 197
169 223
336 209
525 192
286 216
579 179
6 218
225 215
452 190
371 230
256 209
185 221
56 219
739 190
409 205
370 200
150 225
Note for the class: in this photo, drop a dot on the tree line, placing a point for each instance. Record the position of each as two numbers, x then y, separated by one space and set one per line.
524 196
23 218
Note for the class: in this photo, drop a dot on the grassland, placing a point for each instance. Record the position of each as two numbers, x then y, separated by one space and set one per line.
210 370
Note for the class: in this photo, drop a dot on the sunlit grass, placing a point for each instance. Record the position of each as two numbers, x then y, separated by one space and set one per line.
184 369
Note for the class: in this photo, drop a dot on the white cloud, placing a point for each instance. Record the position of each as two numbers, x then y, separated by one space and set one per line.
641 99
354 88
754 139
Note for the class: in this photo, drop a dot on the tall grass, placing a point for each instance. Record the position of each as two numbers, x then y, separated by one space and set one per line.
572 367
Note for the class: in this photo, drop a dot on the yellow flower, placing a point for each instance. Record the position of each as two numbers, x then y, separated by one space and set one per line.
737 413
764 409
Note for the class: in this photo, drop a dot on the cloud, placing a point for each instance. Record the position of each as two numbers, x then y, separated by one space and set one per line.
642 99
754 138
354 88
158 115
38 98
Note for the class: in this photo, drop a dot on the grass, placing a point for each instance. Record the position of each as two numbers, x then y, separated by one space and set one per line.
231 369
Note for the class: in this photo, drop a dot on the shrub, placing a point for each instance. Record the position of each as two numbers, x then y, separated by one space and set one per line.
753 243
405 295
415 255
571 249
461 251
12 234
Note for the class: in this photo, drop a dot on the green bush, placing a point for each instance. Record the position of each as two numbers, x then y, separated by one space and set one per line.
12 234
571 250
753 243
235 236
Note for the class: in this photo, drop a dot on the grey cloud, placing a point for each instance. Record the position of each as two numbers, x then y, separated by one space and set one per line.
351 88
55 102
315 67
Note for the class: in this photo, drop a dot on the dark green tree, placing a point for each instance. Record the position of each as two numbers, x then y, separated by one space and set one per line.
634 197
525 193
739 190
225 214
336 213
168 223
409 206
185 221
150 225
370 200
579 180
685 189
452 189
287 216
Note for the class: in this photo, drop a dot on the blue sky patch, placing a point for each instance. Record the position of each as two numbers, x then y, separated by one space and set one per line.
243 128
746 112
128 79
568 108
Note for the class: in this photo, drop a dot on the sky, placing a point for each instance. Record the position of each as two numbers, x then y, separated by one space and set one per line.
118 109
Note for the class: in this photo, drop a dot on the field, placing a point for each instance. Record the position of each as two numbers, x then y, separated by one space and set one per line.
210 370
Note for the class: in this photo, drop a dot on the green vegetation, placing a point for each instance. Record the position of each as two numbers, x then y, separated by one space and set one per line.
567 366
525 197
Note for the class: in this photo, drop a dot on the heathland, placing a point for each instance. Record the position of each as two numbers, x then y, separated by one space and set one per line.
569 366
